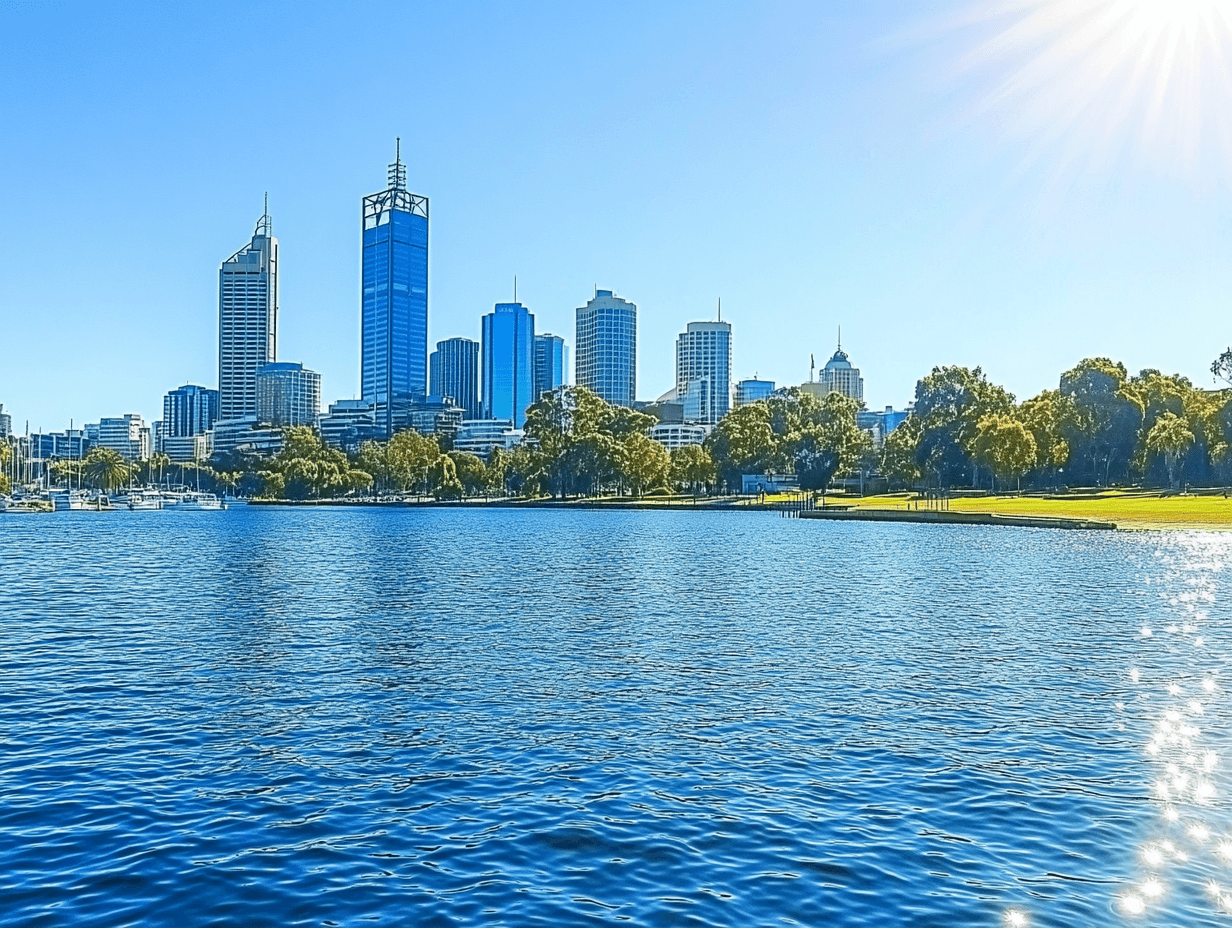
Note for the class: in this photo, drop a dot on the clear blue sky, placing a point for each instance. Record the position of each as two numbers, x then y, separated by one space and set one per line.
943 186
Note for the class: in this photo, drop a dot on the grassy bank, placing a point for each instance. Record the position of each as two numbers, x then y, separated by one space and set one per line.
1129 510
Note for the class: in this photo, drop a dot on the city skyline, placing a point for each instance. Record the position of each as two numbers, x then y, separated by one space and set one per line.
878 189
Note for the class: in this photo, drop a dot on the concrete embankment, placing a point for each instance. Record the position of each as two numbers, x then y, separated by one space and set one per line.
946 516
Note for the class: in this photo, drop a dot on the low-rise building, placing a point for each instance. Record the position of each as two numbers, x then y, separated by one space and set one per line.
480 436
672 435
348 424
245 434
752 390
881 424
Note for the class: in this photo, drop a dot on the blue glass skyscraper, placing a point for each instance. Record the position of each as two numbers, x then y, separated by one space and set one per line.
551 360
508 363
394 304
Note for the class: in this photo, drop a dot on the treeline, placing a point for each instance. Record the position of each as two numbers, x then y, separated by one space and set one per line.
1100 427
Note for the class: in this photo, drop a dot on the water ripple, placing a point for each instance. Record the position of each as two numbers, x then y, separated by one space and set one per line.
545 718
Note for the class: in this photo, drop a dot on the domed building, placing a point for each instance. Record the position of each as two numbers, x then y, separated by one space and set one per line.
838 376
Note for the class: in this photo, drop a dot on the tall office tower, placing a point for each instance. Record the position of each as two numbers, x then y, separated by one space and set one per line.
288 394
703 371
6 423
394 302
189 410
551 360
508 363
247 320
606 348
455 372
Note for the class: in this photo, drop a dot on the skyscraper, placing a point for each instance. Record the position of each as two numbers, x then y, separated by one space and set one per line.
455 372
189 410
551 360
606 346
394 301
247 320
508 363
703 371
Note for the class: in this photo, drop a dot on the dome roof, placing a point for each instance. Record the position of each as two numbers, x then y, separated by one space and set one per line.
839 361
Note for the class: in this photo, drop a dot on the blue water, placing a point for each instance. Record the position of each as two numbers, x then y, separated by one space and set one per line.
444 717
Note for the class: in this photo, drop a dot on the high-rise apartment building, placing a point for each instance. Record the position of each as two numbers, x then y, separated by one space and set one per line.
606 348
508 363
188 410
455 373
247 320
551 362
288 394
703 371
394 299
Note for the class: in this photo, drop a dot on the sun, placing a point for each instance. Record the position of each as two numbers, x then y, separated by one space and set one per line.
1105 79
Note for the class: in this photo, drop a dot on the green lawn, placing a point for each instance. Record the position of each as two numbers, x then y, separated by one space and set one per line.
1126 509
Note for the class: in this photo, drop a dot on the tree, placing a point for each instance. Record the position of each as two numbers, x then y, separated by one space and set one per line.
691 467
6 453
307 468
1102 417
898 454
1221 367
443 478
1170 437
470 471
1042 415
1005 446
950 402
743 442
830 443
105 468
645 463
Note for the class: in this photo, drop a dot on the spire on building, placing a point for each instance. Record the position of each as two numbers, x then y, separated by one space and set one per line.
397 170
265 225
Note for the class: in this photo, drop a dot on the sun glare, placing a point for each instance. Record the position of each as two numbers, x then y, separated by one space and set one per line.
1103 80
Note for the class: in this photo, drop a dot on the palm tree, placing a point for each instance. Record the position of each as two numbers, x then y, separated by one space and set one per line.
106 468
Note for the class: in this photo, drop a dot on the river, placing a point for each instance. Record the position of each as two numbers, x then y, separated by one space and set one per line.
450 717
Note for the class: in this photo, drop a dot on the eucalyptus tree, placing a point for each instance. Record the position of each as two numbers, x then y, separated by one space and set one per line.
1042 415
1170 437
1005 446
691 467
950 402
828 441
1102 418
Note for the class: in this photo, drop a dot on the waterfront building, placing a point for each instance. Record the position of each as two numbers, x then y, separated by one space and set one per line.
769 483
672 435
247 320
605 346
6 423
703 371
187 411
348 424
245 434
47 446
752 390
394 297
128 434
508 363
428 415
185 448
551 362
455 372
288 394
480 436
